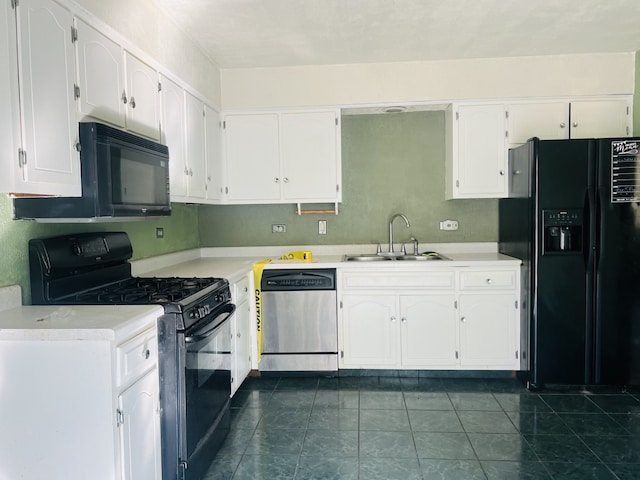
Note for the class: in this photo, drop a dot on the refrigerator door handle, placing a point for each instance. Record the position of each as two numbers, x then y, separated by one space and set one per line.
593 242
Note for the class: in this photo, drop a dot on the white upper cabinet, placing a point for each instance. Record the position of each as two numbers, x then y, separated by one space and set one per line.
184 132
601 118
195 131
481 134
213 153
9 114
49 160
143 106
557 120
173 135
283 157
252 157
100 76
545 120
309 166
479 161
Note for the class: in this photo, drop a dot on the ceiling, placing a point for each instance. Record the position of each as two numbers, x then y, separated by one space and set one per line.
273 33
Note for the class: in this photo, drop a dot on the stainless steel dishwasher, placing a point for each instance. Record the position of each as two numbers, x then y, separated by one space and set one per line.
299 320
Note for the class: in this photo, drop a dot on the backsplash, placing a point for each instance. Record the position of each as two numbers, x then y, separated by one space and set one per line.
390 163
180 233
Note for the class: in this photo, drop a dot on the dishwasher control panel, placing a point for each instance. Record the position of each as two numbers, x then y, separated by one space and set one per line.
309 279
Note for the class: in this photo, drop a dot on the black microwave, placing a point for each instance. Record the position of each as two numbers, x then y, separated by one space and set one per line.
124 176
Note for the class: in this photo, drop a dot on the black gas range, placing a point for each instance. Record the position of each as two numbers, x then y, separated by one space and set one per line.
193 335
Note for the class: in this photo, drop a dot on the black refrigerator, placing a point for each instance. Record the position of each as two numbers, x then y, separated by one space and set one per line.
573 218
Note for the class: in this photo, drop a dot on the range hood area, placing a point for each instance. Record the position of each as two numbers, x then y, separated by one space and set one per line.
124 177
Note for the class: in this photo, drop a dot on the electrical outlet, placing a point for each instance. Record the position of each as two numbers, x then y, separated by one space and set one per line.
449 225
279 228
159 232
322 227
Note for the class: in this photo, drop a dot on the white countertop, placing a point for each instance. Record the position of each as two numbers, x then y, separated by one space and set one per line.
234 268
82 322
119 322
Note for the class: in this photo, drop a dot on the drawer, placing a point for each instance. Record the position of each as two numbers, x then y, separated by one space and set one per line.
137 356
398 280
488 280
240 290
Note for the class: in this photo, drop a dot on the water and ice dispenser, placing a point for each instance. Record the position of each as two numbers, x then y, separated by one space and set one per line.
562 231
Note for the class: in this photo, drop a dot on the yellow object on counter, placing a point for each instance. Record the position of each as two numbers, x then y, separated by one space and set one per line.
304 255
257 280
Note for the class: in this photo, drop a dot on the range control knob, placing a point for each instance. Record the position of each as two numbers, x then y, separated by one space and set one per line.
76 249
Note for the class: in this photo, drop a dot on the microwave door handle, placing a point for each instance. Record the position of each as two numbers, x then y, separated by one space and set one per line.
203 333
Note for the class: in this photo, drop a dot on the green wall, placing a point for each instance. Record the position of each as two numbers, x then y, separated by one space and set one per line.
636 98
179 234
390 163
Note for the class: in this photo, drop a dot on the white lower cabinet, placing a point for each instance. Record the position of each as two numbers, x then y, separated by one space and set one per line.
241 334
487 330
428 330
140 430
370 333
456 319
82 393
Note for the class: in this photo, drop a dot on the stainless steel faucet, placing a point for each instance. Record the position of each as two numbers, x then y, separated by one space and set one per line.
406 221
415 245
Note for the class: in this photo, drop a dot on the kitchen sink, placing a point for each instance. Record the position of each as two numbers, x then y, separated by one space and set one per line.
422 258
373 257
366 257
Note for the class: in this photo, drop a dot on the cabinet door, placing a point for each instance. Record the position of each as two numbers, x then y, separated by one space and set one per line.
100 75
240 329
370 331
488 330
195 147
9 115
252 157
140 430
309 156
547 121
213 153
143 111
481 153
47 74
428 330
600 118
173 135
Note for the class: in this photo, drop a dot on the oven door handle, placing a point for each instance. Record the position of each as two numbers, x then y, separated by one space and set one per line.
203 333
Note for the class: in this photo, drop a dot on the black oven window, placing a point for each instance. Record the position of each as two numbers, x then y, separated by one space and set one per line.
208 380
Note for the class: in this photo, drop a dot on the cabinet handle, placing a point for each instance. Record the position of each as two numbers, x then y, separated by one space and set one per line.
403 319
239 334
186 170
463 319
190 172
245 289
489 281
501 172
132 102
393 319
147 354
563 125
285 179
124 97
575 124
277 180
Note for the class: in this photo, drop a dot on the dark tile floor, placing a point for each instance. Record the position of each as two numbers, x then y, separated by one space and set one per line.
388 428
